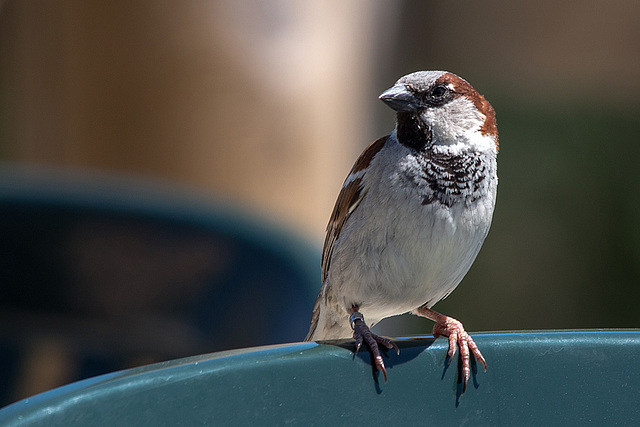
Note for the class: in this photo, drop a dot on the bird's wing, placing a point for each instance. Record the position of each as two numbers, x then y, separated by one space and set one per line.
350 196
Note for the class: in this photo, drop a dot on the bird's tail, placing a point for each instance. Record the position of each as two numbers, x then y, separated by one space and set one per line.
328 322
314 319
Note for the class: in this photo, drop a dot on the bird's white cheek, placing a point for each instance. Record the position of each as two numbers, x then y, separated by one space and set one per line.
454 122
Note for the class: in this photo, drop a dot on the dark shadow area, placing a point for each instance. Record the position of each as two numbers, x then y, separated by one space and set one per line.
100 279
410 349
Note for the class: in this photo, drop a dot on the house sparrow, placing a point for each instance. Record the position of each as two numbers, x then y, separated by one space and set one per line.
411 216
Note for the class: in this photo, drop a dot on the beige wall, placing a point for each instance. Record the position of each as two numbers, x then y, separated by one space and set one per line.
261 102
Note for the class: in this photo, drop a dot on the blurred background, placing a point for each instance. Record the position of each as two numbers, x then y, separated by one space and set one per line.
168 167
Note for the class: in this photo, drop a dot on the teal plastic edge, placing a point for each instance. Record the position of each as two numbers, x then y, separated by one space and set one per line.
534 378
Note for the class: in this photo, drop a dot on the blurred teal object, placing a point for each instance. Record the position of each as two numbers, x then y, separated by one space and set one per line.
113 272
534 378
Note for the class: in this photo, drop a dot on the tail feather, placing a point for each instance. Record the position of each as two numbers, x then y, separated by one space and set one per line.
328 324
314 320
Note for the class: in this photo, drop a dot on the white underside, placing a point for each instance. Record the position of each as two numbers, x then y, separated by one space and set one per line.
396 254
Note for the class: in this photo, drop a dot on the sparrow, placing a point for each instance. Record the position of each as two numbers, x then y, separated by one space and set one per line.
411 216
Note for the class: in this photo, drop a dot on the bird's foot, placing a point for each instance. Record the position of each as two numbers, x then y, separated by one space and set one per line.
361 333
458 337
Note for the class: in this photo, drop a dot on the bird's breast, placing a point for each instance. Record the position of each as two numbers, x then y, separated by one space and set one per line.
415 235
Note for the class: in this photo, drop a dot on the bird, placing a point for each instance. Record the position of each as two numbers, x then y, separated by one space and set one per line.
411 217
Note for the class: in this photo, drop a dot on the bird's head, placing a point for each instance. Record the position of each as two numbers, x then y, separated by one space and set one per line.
439 108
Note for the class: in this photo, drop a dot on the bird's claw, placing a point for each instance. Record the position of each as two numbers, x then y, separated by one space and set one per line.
459 338
362 333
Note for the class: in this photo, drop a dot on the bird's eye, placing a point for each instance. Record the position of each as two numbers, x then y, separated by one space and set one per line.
439 91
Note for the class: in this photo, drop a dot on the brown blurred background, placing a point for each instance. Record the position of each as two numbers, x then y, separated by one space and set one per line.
266 104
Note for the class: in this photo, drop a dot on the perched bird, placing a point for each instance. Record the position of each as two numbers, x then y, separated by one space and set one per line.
411 216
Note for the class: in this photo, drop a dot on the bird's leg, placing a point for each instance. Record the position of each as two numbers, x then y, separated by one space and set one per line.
361 333
458 337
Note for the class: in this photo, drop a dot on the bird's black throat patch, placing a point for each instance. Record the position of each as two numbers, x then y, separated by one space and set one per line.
413 132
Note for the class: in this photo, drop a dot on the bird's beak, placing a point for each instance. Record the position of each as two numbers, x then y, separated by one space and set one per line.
400 98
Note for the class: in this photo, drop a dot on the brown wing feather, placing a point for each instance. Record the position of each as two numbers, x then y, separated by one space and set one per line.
349 197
